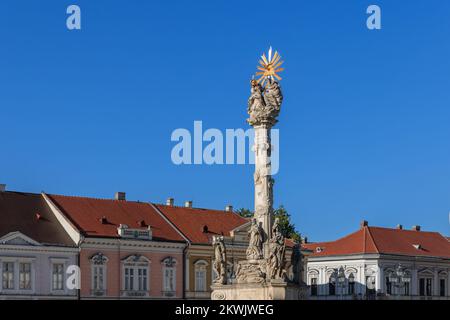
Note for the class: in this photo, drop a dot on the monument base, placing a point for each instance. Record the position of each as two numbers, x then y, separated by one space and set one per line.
259 291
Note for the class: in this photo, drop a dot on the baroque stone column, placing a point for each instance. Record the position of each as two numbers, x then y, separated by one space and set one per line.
262 275
263 183
263 108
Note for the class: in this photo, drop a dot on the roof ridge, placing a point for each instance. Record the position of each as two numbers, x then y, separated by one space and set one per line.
191 208
373 240
338 239
404 230
95 198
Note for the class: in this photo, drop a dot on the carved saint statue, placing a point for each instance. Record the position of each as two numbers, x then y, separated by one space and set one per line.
254 250
277 252
220 260
264 103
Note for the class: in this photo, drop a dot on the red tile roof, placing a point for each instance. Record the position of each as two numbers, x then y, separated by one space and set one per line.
385 241
29 214
87 213
191 222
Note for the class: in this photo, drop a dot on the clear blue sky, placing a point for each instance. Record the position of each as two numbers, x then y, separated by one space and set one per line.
364 126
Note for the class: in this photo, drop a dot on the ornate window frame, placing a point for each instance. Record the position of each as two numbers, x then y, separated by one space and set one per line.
99 261
201 265
135 262
169 264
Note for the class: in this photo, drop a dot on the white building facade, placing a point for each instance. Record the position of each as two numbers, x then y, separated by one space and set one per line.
38 259
31 270
386 266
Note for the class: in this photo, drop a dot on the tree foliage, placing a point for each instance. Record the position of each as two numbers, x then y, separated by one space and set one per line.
287 227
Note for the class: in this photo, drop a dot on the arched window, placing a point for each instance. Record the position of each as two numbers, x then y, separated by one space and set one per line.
200 269
351 284
443 276
98 274
313 276
332 285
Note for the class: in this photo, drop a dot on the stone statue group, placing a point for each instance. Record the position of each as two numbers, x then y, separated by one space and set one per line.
256 269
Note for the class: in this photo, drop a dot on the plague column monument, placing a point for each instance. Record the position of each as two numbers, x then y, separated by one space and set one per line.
262 275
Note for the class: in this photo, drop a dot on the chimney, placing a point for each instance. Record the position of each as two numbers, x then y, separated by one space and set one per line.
416 228
229 208
188 204
399 227
2 187
141 223
120 196
363 224
170 202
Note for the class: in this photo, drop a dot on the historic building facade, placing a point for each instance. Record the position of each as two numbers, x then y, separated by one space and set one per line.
199 226
380 263
128 250
37 257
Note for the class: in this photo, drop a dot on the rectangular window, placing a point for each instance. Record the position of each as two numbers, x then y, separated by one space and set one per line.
142 279
428 292
169 279
25 276
200 280
388 286
58 276
99 273
407 290
442 287
129 279
351 287
422 287
332 289
8 275
314 286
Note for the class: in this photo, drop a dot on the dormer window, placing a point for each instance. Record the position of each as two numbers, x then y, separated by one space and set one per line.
417 246
319 249
126 232
141 223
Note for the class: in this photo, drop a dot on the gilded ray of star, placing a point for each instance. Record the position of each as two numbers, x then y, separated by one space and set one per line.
269 67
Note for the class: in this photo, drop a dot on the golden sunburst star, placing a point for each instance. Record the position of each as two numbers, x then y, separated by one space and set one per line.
269 67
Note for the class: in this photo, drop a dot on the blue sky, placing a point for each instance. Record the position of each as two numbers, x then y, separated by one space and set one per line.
364 127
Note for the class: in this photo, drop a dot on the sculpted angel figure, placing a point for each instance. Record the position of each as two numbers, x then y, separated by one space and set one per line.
254 250
220 260
256 101
273 97
277 252
256 104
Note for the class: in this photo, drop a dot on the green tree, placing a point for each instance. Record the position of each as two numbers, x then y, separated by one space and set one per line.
287 227
245 213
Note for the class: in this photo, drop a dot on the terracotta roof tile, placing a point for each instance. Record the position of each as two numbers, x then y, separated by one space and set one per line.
191 222
29 214
385 241
87 213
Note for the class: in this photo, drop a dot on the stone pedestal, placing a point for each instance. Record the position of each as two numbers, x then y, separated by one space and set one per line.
265 291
